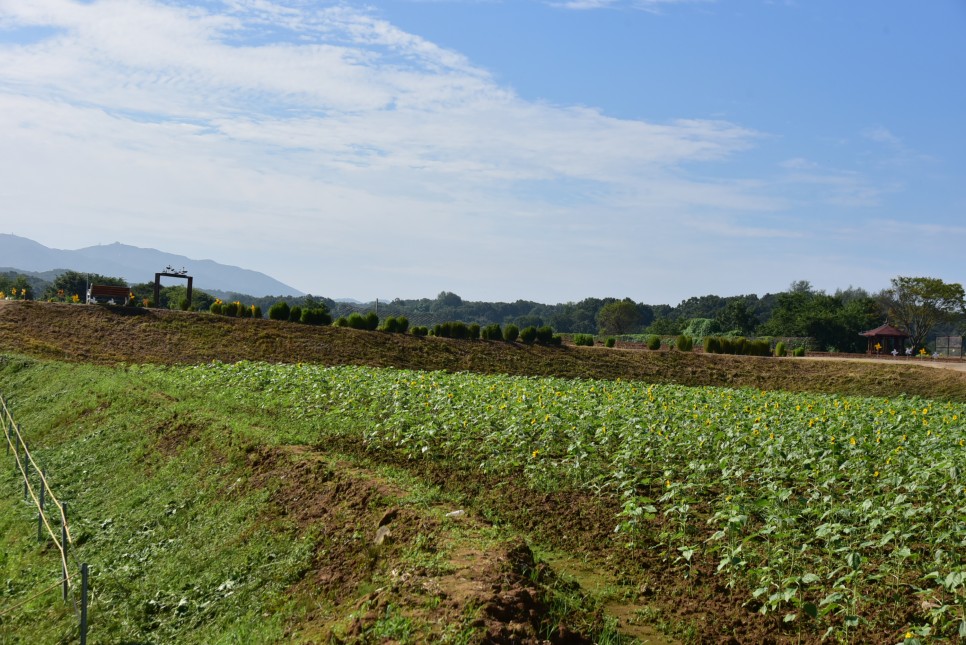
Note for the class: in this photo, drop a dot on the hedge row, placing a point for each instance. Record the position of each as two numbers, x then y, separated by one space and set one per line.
738 345
235 309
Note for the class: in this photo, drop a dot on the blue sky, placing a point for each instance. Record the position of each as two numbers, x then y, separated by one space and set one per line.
547 150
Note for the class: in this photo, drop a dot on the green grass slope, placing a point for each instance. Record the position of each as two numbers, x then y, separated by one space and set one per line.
206 520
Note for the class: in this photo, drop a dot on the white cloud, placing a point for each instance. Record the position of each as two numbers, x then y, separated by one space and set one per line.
296 138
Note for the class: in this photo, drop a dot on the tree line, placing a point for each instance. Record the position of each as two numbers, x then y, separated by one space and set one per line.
923 307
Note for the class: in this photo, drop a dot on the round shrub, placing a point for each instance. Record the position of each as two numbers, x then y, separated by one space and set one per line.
390 325
545 335
798 351
511 333
295 314
278 311
780 349
341 321
356 321
402 325
318 316
583 340
610 342
420 331
256 311
459 330
528 335
372 321
654 341
492 332
216 307
474 331
684 343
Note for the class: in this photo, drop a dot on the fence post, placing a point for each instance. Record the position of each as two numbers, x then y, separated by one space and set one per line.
26 473
83 616
43 487
63 542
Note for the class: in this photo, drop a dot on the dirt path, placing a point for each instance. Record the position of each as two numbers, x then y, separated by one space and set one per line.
948 364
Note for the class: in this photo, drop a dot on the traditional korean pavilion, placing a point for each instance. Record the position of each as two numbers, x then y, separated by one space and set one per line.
884 339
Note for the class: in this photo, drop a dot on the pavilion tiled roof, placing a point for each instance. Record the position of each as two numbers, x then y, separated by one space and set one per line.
885 330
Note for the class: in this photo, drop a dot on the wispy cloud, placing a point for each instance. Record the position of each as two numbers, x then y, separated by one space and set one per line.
272 134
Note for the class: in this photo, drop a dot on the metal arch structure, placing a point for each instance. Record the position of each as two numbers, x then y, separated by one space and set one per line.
171 273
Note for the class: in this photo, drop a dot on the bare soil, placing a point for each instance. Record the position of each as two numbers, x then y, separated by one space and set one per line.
109 335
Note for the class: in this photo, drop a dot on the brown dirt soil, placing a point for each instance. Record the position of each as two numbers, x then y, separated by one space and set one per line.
428 568
107 335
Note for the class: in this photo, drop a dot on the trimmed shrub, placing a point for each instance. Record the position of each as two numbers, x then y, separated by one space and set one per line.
545 335
402 325
583 340
279 311
356 321
372 321
216 307
420 331
256 311
341 321
759 347
511 333
684 343
798 351
474 332
318 316
712 344
492 332
556 340
653 342
390 325
780 349
459 330
611 341
295 314
528 335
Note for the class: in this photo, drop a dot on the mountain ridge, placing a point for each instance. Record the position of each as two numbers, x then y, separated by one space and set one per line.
136 265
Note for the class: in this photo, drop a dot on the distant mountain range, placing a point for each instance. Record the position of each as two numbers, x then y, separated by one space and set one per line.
135 265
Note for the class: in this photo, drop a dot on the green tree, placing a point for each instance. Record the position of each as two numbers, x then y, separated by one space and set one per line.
73 283
919 304
621 317
737 316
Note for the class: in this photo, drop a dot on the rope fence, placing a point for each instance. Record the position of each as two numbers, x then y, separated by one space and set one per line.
64 543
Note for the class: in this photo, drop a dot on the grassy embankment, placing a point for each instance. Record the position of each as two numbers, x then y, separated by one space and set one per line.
206 521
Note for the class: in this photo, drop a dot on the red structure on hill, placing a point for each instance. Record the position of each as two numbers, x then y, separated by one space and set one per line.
885 339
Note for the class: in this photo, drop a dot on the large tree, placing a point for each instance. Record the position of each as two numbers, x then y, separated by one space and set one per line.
621 317
919 304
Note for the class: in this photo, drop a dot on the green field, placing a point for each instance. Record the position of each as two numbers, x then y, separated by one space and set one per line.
212 501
